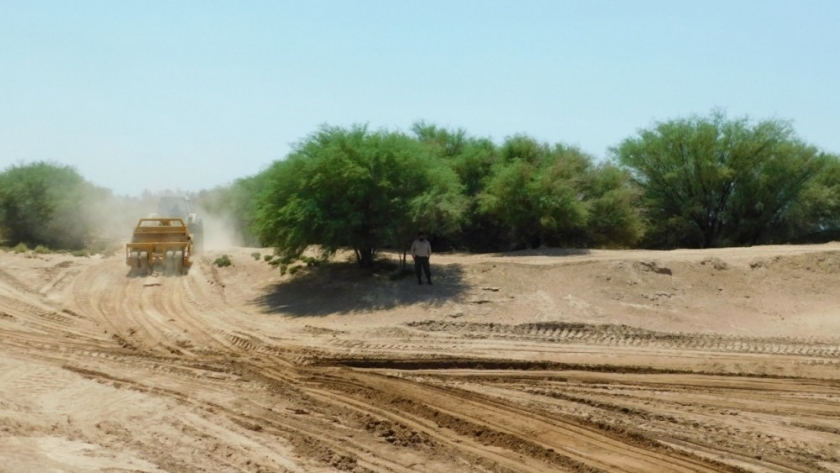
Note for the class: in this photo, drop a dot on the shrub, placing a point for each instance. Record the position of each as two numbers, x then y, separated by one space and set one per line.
310 261
223 261
80 253
256 255
20 248
267 258
294 269
41 250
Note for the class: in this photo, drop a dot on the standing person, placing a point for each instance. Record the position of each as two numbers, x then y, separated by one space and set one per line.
421 250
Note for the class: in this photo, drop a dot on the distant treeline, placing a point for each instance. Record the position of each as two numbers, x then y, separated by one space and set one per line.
693 182
52 205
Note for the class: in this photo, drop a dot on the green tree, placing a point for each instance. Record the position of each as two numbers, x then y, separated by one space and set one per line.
537 192
352 188
442 142
47 204
473 160
767 197
614 217
709 181
815 215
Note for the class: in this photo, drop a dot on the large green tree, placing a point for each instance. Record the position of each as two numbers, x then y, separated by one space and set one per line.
556 195
711 181
353 188
815 215
48 204
473 160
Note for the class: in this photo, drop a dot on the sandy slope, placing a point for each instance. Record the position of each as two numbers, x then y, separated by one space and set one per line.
724 360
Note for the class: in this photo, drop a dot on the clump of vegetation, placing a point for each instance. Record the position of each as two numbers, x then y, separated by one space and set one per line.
21 248
223 261
294 269
80 253
283 262
310 261
256 255
41 250
268 258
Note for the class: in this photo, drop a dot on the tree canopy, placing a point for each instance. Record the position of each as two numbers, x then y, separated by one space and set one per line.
47 204
558 196
353 188
700 181
711 181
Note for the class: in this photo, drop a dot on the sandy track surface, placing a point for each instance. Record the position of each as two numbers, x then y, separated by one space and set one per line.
685 361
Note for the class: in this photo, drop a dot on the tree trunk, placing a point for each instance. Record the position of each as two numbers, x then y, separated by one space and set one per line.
365 257
709 237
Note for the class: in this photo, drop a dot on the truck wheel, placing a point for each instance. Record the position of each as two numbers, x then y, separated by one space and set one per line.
134 262
168 263
179 262
144 262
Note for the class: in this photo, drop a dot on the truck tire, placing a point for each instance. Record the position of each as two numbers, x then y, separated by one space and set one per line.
144 262
134 262
179 262
169 263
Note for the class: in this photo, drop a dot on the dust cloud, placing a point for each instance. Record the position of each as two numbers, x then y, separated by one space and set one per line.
113 218
220 232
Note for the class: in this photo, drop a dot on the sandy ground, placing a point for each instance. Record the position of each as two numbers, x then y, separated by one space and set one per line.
686 361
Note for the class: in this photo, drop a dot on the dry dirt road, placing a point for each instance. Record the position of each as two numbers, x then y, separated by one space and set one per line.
685 361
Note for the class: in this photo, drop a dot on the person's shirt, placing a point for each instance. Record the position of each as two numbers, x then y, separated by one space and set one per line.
421 248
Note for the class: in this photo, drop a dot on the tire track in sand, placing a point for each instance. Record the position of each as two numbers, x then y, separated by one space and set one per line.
570 445
623 335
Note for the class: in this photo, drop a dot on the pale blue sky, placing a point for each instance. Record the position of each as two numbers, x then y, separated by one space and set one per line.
180 94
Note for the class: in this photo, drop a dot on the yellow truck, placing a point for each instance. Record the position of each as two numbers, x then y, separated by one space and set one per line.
159 244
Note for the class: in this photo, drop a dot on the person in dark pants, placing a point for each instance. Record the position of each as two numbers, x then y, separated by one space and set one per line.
421 250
